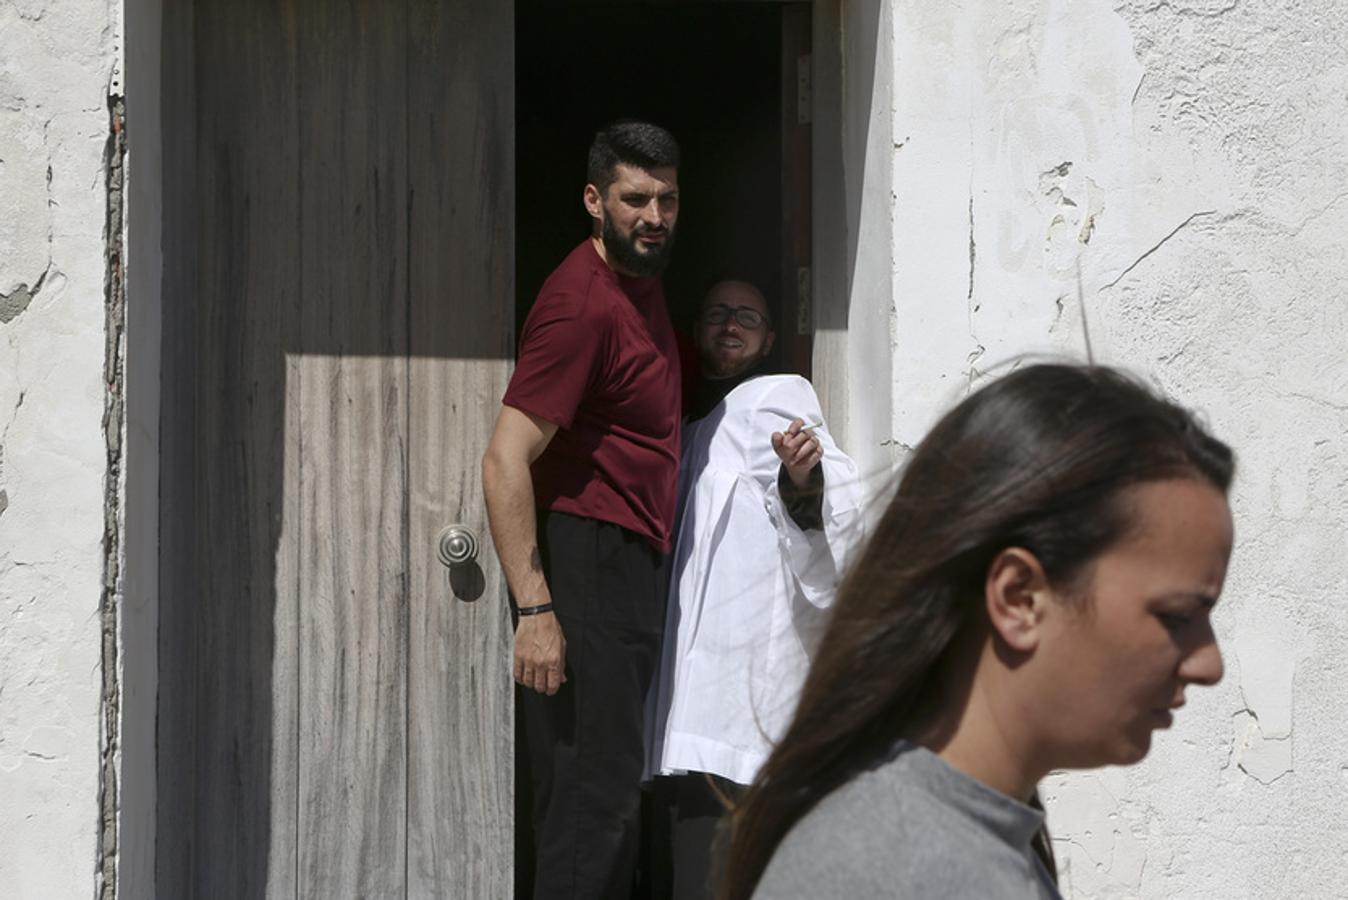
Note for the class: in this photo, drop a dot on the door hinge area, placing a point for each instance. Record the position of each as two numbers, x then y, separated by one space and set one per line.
804 307
804 91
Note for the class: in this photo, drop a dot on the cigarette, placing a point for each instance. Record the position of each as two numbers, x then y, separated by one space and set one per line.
813 425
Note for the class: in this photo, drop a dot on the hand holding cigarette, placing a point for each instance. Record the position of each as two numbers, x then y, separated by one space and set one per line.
798 449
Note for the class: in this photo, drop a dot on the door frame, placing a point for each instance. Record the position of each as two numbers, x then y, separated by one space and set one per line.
852 279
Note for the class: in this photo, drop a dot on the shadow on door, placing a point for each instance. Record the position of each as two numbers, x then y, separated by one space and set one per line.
334 717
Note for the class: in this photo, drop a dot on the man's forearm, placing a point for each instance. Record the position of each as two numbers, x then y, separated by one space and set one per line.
539 657
509 492
804 503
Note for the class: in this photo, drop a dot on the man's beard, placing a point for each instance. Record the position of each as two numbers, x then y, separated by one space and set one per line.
624 251
719 369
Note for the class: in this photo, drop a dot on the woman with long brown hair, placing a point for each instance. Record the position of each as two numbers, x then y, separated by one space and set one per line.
1037 596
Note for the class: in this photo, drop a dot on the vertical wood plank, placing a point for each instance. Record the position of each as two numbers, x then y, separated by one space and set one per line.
283 857
280 146
461 719
237 815
353 457
175 739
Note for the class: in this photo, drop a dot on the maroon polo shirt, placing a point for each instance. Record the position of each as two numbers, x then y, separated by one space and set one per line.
598 358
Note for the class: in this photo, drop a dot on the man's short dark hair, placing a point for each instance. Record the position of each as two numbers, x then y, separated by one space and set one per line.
632 143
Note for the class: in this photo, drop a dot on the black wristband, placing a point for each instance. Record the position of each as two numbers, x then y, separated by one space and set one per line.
534 610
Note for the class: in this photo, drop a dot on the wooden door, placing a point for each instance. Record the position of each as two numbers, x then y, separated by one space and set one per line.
335 704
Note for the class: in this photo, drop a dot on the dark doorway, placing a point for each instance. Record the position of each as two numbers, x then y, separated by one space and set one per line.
731 81
722 76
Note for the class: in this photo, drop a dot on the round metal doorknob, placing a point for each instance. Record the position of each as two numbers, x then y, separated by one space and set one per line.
456 545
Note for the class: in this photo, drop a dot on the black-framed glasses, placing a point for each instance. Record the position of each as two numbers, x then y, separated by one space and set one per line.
746 316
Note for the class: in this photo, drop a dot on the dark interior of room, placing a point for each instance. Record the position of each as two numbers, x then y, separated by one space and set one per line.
710 73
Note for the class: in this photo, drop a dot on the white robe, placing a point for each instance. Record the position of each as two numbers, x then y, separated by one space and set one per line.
749 589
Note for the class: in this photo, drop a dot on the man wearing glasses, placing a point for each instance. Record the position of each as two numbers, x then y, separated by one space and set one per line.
769 508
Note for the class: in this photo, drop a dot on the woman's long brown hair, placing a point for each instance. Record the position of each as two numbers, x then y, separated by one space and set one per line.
1037 460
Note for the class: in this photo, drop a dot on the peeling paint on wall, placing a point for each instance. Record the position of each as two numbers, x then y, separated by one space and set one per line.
16 301
55 61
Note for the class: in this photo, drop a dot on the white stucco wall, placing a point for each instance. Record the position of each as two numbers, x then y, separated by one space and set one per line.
57 63
1192 157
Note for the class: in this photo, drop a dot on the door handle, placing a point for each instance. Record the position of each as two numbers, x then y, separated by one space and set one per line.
456 545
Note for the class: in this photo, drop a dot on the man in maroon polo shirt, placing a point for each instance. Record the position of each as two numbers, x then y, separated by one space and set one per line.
580 479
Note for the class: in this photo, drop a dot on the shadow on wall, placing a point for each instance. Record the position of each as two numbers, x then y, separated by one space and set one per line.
847 111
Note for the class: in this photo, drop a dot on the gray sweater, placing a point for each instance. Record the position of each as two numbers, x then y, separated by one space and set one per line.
911 827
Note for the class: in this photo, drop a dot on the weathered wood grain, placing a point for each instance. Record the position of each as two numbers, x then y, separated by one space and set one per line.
279 76
238 315
283 856
353 451
341 200
175 738
460 139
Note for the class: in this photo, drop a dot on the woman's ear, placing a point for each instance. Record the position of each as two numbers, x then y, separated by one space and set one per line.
1016 593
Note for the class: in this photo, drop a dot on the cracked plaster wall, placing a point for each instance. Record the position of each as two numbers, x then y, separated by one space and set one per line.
1189 159
57 61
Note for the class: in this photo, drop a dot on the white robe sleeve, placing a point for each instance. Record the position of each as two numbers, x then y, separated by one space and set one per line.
816 559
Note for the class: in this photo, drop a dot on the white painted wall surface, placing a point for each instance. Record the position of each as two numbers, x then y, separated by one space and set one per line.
1192 156
56 64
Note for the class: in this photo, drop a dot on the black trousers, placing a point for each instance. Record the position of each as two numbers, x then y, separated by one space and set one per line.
585 745
685 820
